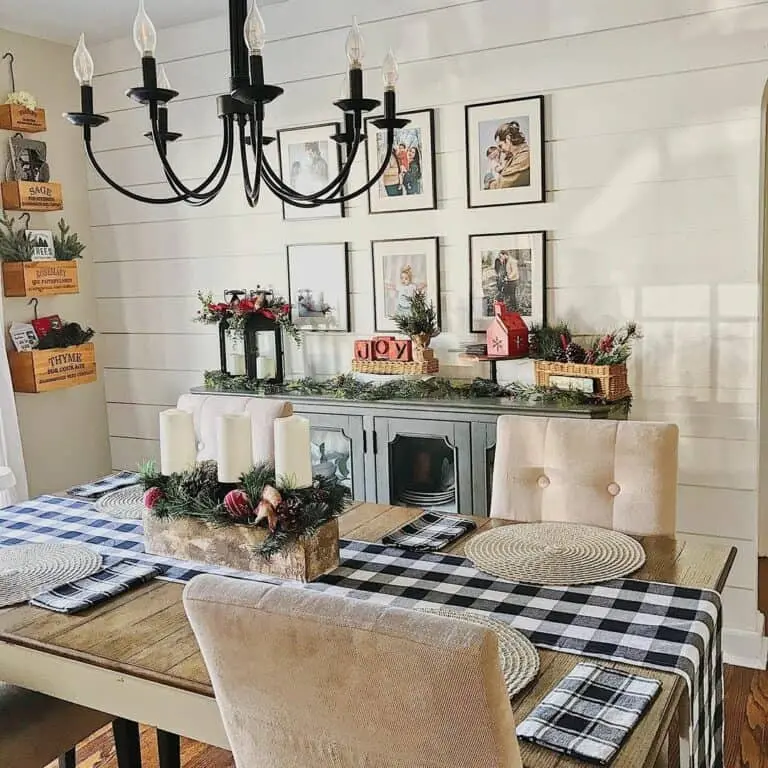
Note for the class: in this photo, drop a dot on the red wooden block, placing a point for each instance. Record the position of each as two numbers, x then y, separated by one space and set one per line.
401 350
363 349
381 346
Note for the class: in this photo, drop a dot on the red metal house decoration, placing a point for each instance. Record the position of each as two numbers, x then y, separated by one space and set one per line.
507 335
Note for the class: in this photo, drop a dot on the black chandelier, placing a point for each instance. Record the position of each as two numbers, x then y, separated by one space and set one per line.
244 106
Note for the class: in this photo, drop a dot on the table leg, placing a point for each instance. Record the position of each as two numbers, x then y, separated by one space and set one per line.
169 749
127 743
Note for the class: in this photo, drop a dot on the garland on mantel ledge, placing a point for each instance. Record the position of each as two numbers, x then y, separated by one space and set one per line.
347 387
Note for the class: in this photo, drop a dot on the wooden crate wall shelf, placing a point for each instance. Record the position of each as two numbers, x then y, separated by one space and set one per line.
39 278
32 196
15 117
44 370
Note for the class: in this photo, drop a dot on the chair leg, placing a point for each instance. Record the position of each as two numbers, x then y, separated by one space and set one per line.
68 759
127 743
169 749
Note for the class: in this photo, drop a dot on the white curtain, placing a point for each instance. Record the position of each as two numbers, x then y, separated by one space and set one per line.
11 454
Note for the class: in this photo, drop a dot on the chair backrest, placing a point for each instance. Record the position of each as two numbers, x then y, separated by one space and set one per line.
309 679
612 474
206 409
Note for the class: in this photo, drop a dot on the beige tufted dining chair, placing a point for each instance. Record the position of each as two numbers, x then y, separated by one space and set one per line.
309 679
611 474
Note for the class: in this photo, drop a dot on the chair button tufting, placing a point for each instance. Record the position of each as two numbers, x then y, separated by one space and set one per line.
614 489
543 482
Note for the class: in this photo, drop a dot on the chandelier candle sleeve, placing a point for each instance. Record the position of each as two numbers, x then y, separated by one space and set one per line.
178 446
293 453
235 446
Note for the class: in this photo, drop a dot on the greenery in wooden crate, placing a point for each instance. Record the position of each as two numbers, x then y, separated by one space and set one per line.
291 514
556 343
69 335
420 320
348 387
14 245
67 247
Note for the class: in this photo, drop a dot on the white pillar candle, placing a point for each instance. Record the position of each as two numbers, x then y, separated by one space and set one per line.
178 445
293 457
265 367
237 361
235 450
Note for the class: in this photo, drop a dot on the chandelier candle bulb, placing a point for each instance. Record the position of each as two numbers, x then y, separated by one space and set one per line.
293 453
254 31
178 446
235 446
144 34
355 46
82 63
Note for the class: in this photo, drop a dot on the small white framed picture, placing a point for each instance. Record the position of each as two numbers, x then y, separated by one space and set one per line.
408 182
318 279
400 268
509 268
309 160
41 241
505 152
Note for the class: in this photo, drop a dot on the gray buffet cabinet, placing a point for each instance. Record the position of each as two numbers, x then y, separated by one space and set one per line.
384 449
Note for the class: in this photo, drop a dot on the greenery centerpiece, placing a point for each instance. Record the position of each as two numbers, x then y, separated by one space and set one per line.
419 322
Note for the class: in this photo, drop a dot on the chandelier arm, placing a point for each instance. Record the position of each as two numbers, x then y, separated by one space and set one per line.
252 189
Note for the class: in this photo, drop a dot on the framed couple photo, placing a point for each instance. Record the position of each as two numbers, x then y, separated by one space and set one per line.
408 182
505 152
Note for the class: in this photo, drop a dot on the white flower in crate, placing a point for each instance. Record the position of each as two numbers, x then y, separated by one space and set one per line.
23 98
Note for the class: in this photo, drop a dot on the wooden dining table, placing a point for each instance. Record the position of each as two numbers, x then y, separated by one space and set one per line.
136 656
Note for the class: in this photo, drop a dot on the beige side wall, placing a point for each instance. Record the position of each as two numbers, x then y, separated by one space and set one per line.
64 433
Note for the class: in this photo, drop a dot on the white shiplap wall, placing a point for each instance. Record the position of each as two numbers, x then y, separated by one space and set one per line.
653 145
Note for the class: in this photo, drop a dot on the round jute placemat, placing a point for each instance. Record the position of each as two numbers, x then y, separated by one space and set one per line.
27 570
519 658
559 554
124 503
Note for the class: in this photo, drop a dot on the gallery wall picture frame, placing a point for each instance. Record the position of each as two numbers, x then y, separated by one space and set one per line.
400 267
309 159
318 286
510 267
410 181
505 152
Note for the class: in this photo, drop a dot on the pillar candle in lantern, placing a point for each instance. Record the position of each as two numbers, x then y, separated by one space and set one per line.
235 449
178 446
293 457
265 367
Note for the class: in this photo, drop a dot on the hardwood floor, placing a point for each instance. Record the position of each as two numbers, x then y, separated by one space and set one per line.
746 724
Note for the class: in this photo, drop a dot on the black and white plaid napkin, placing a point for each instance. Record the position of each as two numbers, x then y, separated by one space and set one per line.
589 713
98 488
429 533
117 576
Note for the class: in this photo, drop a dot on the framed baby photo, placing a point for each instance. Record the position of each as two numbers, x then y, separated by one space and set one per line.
408 182
318 286
505 152
509 268
400 268
309 160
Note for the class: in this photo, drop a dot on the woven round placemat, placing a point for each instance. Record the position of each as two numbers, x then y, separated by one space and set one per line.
555 553
519 659
125 503
27 570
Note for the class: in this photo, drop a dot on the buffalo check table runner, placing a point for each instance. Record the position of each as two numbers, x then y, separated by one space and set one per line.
647 624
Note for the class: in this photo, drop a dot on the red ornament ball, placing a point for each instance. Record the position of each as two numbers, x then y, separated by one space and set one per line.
151 497
237 504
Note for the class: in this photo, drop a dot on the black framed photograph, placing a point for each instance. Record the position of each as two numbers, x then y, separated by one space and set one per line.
309 161
511 268
318 286
29 159
409 182
400 268
505 152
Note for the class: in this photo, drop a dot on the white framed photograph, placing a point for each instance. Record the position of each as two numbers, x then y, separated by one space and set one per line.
408 182
400 268
509 268
309 160
505 152
318 280
41 241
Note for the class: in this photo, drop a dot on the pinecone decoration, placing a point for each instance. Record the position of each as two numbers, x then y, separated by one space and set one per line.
289 514
534 347
575 353
560 355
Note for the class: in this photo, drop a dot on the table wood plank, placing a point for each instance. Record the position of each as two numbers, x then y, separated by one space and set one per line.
145 633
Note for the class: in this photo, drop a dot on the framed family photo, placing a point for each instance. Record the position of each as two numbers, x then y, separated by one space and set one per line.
309 160
509 268
318 286
400 268
505 152
409 182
